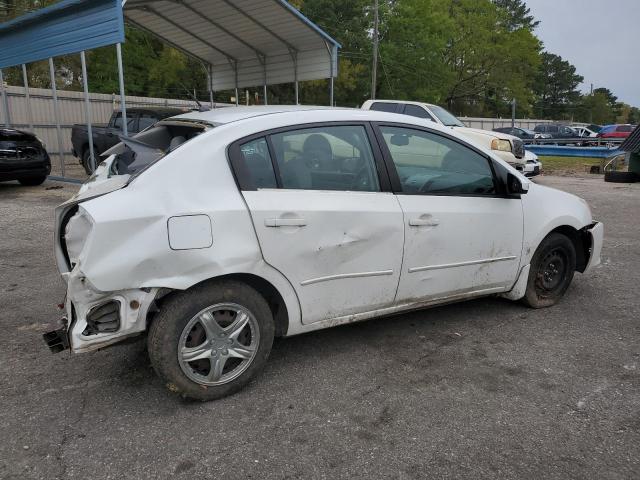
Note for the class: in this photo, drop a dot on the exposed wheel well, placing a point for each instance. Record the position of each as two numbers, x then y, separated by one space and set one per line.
262 286
581 241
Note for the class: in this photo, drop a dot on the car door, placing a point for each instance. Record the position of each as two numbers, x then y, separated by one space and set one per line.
322 217
462 236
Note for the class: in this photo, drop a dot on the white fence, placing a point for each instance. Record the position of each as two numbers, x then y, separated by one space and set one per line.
72 110
41 115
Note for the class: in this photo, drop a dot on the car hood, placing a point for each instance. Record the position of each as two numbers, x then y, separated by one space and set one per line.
486 133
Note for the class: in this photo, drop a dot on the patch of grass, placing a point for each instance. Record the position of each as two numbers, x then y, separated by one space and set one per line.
568 164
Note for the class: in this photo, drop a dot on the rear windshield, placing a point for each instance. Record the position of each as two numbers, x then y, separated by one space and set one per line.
135 154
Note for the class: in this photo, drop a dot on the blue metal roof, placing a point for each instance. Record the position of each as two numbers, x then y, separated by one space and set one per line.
69 26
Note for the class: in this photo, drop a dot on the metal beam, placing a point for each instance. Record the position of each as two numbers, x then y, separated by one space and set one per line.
260 24
294 57
184 30
210 78
123 100
5 98
87 110
56 113
25 81
218 26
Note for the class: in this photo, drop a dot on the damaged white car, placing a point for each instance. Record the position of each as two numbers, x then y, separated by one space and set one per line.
216 231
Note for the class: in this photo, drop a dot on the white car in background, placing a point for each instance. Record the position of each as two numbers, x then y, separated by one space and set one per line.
508 147
584 131
216 231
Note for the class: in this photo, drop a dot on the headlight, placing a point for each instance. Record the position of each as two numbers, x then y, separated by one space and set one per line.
76 233
501 145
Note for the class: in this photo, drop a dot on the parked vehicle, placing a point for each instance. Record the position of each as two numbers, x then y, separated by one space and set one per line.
556 130
616 131
583 131
508 147
23 157
217 231
533 166
523 133
107 135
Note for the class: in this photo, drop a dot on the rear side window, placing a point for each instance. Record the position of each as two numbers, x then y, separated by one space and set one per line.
624 128
416 111
326 158
258 162
385 107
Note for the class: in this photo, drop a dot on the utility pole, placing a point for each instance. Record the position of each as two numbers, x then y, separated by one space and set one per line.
374 68
513 113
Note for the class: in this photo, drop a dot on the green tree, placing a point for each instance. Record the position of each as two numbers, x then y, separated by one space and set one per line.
516 15
556 87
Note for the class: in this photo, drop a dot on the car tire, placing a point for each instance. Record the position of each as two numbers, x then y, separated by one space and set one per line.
551 272
86 155
620 177
32 181
194 347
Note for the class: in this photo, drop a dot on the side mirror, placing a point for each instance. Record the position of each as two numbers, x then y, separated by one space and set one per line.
516 186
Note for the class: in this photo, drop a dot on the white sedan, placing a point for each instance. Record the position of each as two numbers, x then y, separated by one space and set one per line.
216 231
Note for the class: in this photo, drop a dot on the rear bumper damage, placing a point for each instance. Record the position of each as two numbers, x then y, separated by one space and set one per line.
98 319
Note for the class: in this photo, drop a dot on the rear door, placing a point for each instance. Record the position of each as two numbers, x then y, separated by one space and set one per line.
461 235
317 200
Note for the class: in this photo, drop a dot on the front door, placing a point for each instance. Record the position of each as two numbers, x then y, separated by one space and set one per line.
460 236
322 219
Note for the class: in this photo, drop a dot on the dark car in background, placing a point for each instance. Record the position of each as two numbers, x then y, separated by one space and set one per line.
616 131
23 157
520 132
556 130
106 136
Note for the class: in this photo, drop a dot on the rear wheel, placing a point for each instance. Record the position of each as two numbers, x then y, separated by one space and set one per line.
33 181
620 177
551 272
208 342
86 161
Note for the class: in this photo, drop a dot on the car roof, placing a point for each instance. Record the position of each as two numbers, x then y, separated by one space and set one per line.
233 114
404 102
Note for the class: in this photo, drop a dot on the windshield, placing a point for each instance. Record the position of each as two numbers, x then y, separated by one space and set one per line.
135 154
446 117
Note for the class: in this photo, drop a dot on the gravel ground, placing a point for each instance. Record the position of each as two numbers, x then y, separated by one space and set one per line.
483 389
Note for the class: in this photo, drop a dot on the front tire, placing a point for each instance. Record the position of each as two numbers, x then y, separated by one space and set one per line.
551 272
208 342
86 161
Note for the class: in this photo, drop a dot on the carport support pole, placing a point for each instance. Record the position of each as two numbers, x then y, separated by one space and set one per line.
25 81
87 110
210 75
5 99
123 103
56 113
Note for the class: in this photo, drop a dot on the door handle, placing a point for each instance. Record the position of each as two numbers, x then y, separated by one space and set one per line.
424 221
285 222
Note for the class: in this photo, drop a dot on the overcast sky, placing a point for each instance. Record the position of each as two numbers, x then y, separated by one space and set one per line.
598 37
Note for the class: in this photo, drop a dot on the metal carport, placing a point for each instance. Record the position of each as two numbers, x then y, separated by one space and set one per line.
244 42
239 42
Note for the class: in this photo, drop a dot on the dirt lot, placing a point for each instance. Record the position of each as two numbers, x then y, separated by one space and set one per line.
484 389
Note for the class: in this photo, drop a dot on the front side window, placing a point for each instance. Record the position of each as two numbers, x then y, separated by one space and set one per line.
431 164
326 158
146 121
416 111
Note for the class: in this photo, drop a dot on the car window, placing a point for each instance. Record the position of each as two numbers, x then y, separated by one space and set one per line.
326 158
552 128
416 111
540 129
384 107
146 120
431 164
624 128
130 121
258 162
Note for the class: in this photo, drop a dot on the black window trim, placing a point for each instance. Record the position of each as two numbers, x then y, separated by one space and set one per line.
429 116
245 181
499 174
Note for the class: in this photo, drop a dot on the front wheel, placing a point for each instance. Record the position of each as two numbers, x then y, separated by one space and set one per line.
32 181
208 342
551 272
86 161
